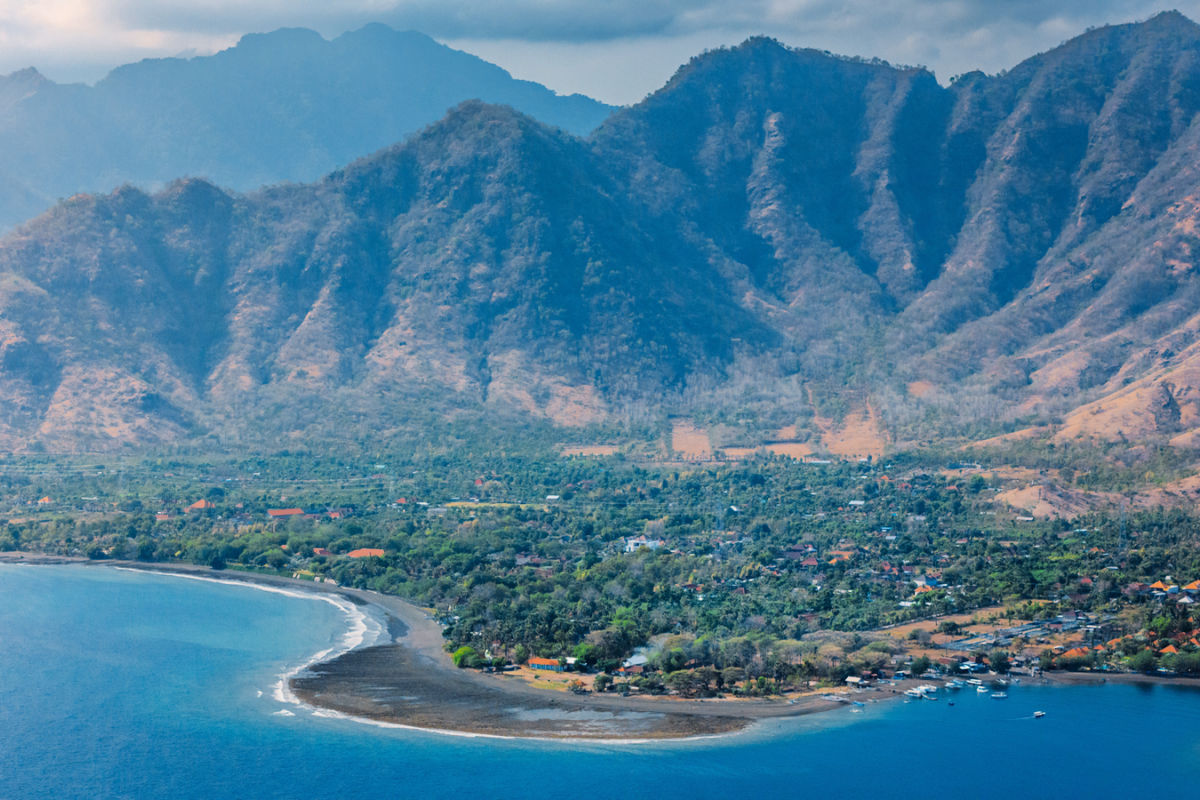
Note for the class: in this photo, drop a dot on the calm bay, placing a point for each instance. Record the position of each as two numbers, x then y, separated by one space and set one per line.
124 684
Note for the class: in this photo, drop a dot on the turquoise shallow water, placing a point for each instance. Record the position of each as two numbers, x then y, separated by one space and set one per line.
126 685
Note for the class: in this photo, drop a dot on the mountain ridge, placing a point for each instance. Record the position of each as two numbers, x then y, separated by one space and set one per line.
282 106
776 238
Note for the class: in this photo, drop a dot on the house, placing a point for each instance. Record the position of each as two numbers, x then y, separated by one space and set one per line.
321 551
275 513
638 542
45 501
201 505
548 664
365 552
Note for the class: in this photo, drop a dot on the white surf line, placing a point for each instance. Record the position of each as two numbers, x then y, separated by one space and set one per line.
356 637
362 625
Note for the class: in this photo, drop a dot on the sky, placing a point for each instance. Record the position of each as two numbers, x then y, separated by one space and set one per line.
614 50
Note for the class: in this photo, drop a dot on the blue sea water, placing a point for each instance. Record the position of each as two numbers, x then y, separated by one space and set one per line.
117 684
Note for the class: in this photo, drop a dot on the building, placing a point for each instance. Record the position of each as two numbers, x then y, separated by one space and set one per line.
365 552
275 513
548 664
638 542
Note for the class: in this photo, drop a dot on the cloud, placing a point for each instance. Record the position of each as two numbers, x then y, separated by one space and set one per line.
574 20
566 44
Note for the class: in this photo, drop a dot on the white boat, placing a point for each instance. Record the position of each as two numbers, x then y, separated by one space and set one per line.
954 684
974 682
981 689
999 695
914 693
1039 714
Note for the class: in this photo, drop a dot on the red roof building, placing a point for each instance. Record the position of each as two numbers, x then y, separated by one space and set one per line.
365 552
285 512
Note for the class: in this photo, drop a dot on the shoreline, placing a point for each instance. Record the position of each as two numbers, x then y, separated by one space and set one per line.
1129 678
406 680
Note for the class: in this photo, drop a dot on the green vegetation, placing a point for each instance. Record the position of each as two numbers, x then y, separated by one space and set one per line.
735 567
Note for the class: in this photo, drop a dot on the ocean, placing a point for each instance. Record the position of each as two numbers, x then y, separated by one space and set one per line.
122 684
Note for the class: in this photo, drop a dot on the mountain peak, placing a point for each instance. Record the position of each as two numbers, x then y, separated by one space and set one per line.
27 75
281 38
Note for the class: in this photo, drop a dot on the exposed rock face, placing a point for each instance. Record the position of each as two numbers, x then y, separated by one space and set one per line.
773 226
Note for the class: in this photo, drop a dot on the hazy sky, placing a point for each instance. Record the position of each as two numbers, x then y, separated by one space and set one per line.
615 50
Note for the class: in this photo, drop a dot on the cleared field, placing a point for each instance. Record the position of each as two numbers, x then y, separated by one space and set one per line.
589 450
690 442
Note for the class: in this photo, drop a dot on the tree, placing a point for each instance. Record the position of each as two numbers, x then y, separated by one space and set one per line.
602 682
521 654
920 665
999 661
1143 661
464 657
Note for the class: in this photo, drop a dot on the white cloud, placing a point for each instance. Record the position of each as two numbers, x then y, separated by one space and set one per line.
614 49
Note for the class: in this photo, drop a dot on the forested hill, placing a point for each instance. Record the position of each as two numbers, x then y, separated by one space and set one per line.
281 106
776 237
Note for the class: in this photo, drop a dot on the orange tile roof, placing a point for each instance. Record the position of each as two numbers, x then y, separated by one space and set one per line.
1169 649
542 662
1160 586
200 505
365 552
284 512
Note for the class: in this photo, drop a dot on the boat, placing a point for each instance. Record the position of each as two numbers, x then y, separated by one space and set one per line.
974 682
999 695
914 693
954 684
981 689
1039 714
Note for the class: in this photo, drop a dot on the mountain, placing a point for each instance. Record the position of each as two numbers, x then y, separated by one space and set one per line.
776 238
282 106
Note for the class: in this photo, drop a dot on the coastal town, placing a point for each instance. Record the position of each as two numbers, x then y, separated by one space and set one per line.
634 578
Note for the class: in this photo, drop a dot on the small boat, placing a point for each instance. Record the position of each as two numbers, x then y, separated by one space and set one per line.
1039 714
954 684
950 703
981 689
974 682
999 695
914 693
